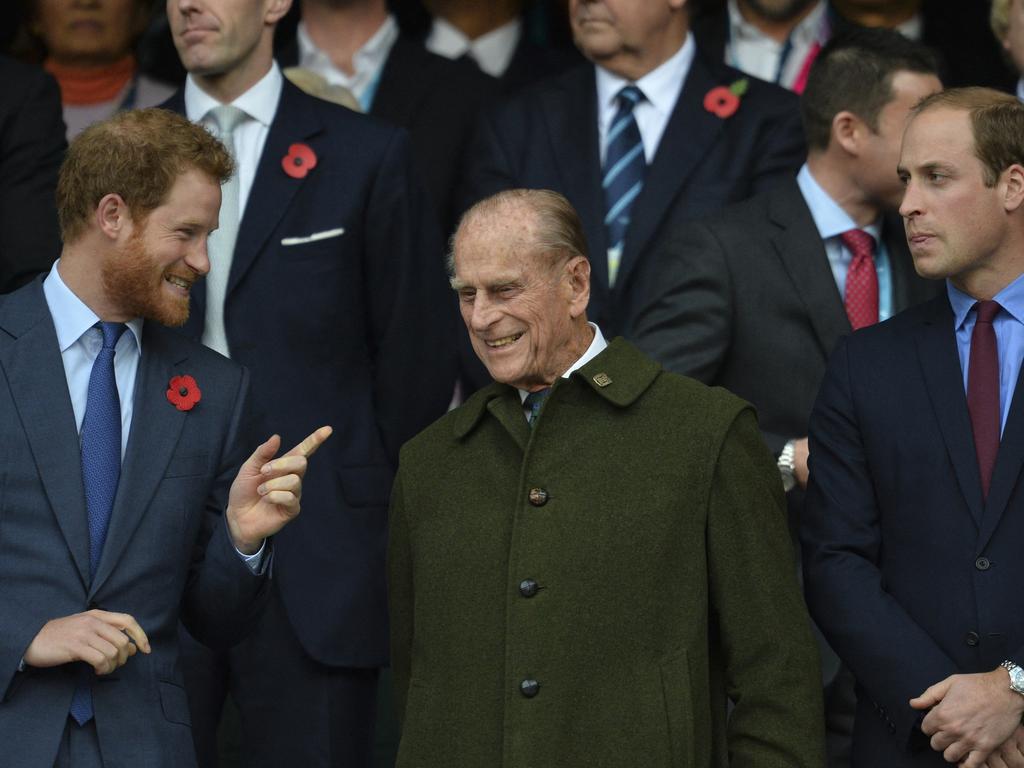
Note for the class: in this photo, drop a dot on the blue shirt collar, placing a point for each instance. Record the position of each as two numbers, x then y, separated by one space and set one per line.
829 217
1011 299
71 317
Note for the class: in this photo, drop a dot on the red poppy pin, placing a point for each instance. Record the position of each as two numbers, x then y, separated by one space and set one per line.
299 161
724 100
183 392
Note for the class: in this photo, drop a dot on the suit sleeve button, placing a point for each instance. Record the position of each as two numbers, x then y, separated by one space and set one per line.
538 497
529 688
972 639
982 563
528 587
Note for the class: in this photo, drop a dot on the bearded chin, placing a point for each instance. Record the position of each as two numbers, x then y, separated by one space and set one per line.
133 281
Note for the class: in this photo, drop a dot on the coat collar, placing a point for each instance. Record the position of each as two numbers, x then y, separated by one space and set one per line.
620 375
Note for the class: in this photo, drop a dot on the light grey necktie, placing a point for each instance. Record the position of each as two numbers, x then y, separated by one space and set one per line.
221 245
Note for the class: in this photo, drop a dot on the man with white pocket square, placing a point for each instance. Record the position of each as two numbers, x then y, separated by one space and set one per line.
325 263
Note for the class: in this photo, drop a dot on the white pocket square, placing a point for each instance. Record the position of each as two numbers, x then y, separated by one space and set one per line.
326 234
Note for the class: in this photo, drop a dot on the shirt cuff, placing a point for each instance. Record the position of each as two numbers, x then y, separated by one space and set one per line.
255 560
22 665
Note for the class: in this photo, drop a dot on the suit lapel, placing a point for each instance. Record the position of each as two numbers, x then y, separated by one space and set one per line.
1009 461
943 377
35 373
156 426
570 113
799 247
272 189
690 132
400 85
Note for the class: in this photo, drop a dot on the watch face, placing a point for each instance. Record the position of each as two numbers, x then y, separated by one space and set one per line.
1017 679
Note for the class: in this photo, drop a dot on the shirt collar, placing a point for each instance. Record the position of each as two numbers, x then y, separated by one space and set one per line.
71 317
596 347
1011 299
259 102
661 85
492 51
829 217
369 58
806 32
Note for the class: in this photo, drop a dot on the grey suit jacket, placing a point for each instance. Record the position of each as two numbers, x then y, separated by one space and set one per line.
167 554
746 300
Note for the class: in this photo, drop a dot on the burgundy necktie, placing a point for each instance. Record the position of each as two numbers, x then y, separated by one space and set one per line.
861 297
983 390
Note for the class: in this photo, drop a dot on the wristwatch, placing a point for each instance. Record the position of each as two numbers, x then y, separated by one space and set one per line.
1016 676
787 466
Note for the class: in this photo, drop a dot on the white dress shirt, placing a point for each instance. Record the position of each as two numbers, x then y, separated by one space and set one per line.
782 62
596 347
492 52
368 61
260 104
661 87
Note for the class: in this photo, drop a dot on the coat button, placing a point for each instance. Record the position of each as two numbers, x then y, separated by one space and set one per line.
982 563
972 639
538 497
529 688
528 587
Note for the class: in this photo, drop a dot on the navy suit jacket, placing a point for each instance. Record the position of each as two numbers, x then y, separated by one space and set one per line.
547 138
354 330
167 554
911 575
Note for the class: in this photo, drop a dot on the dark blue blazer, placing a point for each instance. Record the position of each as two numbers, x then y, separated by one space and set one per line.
910 574
167 554
354 330
547 138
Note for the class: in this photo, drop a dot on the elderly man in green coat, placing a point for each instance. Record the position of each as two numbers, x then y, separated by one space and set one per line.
589 559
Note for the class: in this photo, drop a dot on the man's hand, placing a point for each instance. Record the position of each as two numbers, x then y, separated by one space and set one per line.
971 715
800 453
266 493
1010 754
102 639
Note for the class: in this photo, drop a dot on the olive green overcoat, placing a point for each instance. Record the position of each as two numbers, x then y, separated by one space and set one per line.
590 592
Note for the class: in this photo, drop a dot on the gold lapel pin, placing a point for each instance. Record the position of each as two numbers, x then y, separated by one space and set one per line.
602 379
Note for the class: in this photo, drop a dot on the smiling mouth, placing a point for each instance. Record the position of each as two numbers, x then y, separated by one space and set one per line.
179 282
503 342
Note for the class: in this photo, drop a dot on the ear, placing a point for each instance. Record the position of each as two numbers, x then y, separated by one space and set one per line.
578 275
847 131
1013 187
113 217
275 11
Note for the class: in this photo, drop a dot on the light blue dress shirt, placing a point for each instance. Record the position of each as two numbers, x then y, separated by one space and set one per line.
80 342
1009 328
831 221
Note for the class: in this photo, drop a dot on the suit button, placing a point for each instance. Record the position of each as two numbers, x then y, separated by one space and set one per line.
529 688
538 497
982 563
972 639
528 587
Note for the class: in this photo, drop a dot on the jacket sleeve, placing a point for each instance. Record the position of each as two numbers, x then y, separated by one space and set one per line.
400 597
771 661
892 657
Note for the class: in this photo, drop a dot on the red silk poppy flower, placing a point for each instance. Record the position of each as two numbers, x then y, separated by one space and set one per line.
723 101
299 161
183 392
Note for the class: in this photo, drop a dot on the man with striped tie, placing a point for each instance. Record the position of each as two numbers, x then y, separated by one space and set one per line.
645 134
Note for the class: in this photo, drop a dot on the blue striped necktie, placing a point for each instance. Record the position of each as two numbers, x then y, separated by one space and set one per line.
533 402
624 168
101 471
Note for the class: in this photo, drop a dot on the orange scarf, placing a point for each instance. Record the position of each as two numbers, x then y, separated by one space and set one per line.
94 85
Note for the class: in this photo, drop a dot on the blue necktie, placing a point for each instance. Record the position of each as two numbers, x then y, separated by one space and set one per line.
624 168
101 470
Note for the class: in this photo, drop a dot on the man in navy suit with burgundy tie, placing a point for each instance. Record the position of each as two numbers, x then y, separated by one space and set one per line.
915 510
327 282
125 504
